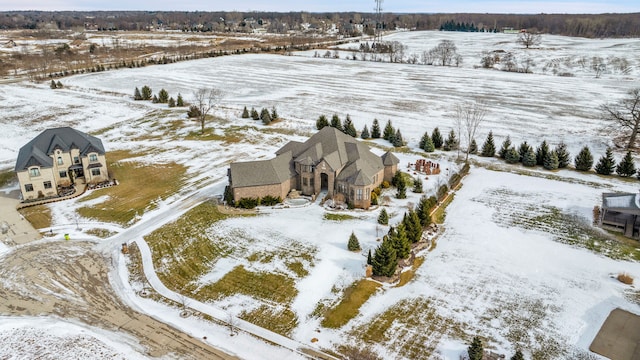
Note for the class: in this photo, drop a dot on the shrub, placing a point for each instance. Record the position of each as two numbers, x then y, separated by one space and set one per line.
248 203
383 218
442 192
455 179
193 112
270 200
625 278
354 244
385 184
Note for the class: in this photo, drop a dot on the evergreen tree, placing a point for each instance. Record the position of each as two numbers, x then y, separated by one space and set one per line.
369 258
384 260
375 129
551 160
179 101
245 113
523 149
607 163
423 140
473 147
348 127
383 218
626 167
354 244
146 93
254 114
163 96
413 225
422 210
274 114
475 350
529 158
365 133
506 144
389 131
155 99
265 116
584 160
541 152
59 85
512 156
417 185
518 355
489 147
451 143
436 138
564 158
322 122
428 145
401 242
53 84
397 139
172 102
336 122
136 94
401 190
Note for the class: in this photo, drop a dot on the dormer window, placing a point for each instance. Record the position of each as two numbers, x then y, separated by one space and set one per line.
93 157
34 172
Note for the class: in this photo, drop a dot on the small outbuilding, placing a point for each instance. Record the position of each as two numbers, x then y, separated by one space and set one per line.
619 212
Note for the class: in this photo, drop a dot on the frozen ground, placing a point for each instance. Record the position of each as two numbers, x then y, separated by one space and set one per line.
492 272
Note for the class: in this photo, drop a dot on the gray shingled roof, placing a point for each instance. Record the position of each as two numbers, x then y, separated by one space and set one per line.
264 172
38 151
389 159
340 151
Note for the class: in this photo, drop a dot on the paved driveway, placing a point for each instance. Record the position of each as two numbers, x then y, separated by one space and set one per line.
619 336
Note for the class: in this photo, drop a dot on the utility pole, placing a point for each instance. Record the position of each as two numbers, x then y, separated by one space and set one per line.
378 33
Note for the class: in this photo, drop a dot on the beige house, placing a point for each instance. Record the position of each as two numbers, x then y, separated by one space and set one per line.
329 161
58 158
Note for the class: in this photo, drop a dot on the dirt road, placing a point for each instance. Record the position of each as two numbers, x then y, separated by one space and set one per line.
70 280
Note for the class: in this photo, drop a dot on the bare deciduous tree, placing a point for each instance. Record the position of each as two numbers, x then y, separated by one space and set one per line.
529 39
205 100
625 116
445 52
469 116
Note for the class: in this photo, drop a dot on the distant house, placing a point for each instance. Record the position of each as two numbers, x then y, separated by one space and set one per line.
329 161
58 158
619 212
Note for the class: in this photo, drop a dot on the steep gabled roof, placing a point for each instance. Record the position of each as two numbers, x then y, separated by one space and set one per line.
388 159
38 150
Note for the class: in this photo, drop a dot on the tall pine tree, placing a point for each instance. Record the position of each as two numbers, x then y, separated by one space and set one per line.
506 144
436 138
475 350
550 160
423 140
428 145
322 122
529 158
626 167
473 147
541 152
136 94
385 260
417 185
523 149
349 128
383 218
401 241
512 156
336 122
607 163
451 143
354 244
245 113
389 131
375 129
564 158
397 139
489 147
584 159
422 210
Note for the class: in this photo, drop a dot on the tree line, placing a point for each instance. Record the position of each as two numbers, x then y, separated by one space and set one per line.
583 25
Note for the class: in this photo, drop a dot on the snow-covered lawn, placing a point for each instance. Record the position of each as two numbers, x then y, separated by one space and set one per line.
503 269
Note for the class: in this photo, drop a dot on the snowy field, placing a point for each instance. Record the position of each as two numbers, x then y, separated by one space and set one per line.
496 271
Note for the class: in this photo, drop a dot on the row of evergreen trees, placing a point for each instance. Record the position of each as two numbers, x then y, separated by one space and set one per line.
161 98
264 115
390 133
451 25
430 143
347 128
397 243
56 85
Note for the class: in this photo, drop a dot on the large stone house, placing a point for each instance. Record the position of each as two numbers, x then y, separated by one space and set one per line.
620 212
328 161
58 158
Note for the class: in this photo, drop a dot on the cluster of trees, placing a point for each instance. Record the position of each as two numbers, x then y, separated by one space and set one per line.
444 54
161 98
429 143
264 115
396 244
475 351
464 27
347 128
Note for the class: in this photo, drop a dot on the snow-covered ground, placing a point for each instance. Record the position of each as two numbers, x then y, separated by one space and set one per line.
489 273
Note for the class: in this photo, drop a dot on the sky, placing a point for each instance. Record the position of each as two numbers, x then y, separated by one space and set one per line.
395 6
